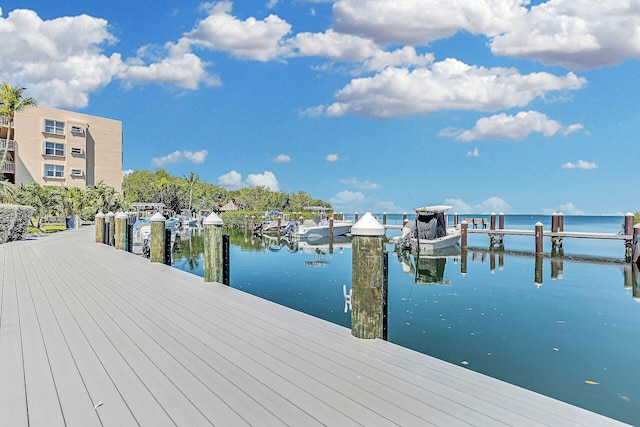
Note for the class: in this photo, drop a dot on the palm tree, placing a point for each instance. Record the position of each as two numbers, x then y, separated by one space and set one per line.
7 192
12 101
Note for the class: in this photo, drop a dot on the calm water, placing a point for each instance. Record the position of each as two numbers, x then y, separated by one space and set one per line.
578 327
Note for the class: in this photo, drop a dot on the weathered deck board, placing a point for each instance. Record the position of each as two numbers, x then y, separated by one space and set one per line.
158 346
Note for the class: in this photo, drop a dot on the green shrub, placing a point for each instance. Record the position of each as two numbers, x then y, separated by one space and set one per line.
7 220
21 225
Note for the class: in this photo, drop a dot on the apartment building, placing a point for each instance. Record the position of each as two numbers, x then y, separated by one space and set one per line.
58 147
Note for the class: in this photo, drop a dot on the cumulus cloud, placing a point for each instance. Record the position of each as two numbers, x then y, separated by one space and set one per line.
282 158
266 179
418 22
62 61
492 204
260 40
178 156
583 35
361 185
347 198
565 208
518 127
582 164
445 85
332 158
233 180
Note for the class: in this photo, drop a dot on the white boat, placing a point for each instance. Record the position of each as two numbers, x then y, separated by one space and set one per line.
429 232
318 227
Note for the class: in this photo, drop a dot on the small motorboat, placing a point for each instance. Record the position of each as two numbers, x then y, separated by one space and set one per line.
429 232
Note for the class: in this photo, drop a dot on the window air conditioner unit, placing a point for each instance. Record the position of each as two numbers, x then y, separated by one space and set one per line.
76 172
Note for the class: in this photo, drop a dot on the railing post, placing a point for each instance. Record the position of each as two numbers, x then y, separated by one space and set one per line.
225 260
167 246
99 227
367 287
213 259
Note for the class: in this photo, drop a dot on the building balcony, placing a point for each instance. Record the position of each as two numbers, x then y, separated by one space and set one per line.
8 167
3 144
4 121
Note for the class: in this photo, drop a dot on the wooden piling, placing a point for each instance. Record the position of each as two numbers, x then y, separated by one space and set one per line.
492 224
110 219
157 238
331 228
404 217
99 227
634 243
213 251
538 270
384 218
539 234
122 242
355 218
463 234
501 221
367 288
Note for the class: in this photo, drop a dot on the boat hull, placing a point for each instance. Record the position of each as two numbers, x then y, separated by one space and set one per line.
429 246
321 231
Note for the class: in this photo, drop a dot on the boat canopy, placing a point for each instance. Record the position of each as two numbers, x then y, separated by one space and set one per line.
431 209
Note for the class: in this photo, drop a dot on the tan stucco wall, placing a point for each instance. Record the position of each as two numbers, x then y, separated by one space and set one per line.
100 142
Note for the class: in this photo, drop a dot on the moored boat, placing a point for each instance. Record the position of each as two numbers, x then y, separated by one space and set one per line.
429 232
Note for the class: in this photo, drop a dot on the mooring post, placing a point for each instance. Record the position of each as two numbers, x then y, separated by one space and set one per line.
463 236
213 259
355 218
99 227
554 222
121 231
501 221
628 231
404 218
634 243
560 224
384 218
110 219
330 228
464 253
367 278
157 238
492 225
539 234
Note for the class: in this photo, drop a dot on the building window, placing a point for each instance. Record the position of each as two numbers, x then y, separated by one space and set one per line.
76 129
53 171
53 126
53 148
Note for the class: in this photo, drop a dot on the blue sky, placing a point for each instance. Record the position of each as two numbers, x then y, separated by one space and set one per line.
487 105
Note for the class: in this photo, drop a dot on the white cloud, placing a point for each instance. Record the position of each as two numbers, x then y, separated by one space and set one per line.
282 158
445 85
178 156
180 68
418 22
127 172
231 180
347 198
492 204
474 153
573 128
565 208
260 40
582 164
332 158
518 127
266 179
361 185
62 62
578 35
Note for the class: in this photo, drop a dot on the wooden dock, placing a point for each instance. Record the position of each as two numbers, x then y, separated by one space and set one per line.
92 336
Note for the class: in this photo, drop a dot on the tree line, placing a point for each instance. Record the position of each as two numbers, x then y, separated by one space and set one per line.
177 193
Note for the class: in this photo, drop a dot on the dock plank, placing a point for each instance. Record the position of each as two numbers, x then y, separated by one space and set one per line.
158 346
13 395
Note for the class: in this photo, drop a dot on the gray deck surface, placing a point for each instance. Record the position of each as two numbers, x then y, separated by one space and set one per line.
92 336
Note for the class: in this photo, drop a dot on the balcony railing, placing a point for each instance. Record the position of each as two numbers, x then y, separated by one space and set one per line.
3 144
4 121
8 167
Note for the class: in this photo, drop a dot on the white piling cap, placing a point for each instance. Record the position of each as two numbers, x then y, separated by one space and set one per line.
367 226
121 215
100 215
157 217
213 219
110 214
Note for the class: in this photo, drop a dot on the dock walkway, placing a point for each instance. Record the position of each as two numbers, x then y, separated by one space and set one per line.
91 336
